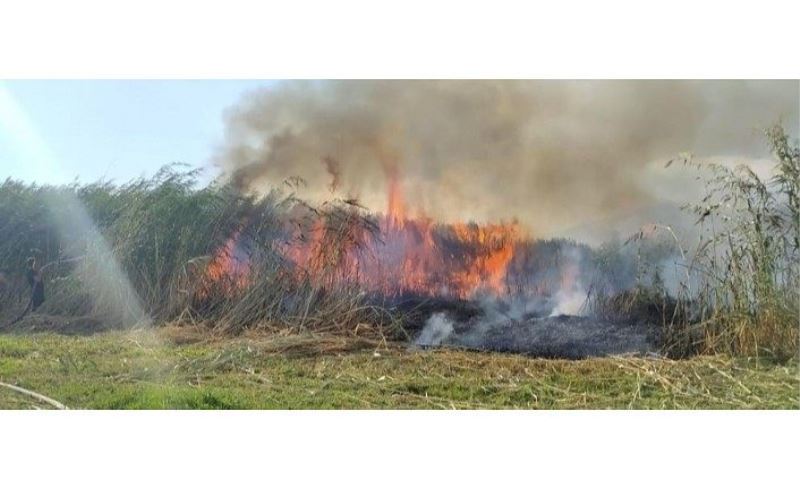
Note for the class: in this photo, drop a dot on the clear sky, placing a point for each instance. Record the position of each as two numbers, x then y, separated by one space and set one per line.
55 131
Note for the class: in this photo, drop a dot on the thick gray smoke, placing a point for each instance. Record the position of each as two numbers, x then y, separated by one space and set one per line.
576 158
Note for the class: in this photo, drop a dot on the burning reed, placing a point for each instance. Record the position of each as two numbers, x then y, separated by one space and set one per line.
215 256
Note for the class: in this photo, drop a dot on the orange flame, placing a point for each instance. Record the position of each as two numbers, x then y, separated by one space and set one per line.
396 211
413 254
228 270
416 255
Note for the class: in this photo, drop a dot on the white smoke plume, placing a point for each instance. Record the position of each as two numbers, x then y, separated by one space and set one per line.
436 331
572 295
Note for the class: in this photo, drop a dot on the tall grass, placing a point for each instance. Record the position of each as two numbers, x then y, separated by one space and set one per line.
748 261
740 291
164 231
736 289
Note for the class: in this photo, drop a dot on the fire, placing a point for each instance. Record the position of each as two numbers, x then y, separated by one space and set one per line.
407 255
396 211
447 259
412 255
228 269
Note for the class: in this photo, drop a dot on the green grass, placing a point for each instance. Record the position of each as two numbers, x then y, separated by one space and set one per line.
169 369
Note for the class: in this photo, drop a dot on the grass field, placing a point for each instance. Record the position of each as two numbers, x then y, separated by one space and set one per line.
176 368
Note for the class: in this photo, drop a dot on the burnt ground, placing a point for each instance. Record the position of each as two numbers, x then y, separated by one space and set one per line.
562 336
523 329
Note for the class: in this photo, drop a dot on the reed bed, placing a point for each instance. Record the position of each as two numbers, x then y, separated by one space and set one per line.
739 293
165 232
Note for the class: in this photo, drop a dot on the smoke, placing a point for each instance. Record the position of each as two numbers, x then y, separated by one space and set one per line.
438 328
572 295
563 157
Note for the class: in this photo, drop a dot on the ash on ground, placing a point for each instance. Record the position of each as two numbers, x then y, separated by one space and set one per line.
558 336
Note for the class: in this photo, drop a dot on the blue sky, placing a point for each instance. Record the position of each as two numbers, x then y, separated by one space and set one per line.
54 131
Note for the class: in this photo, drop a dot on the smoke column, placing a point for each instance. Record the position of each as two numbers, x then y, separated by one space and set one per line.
572 158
